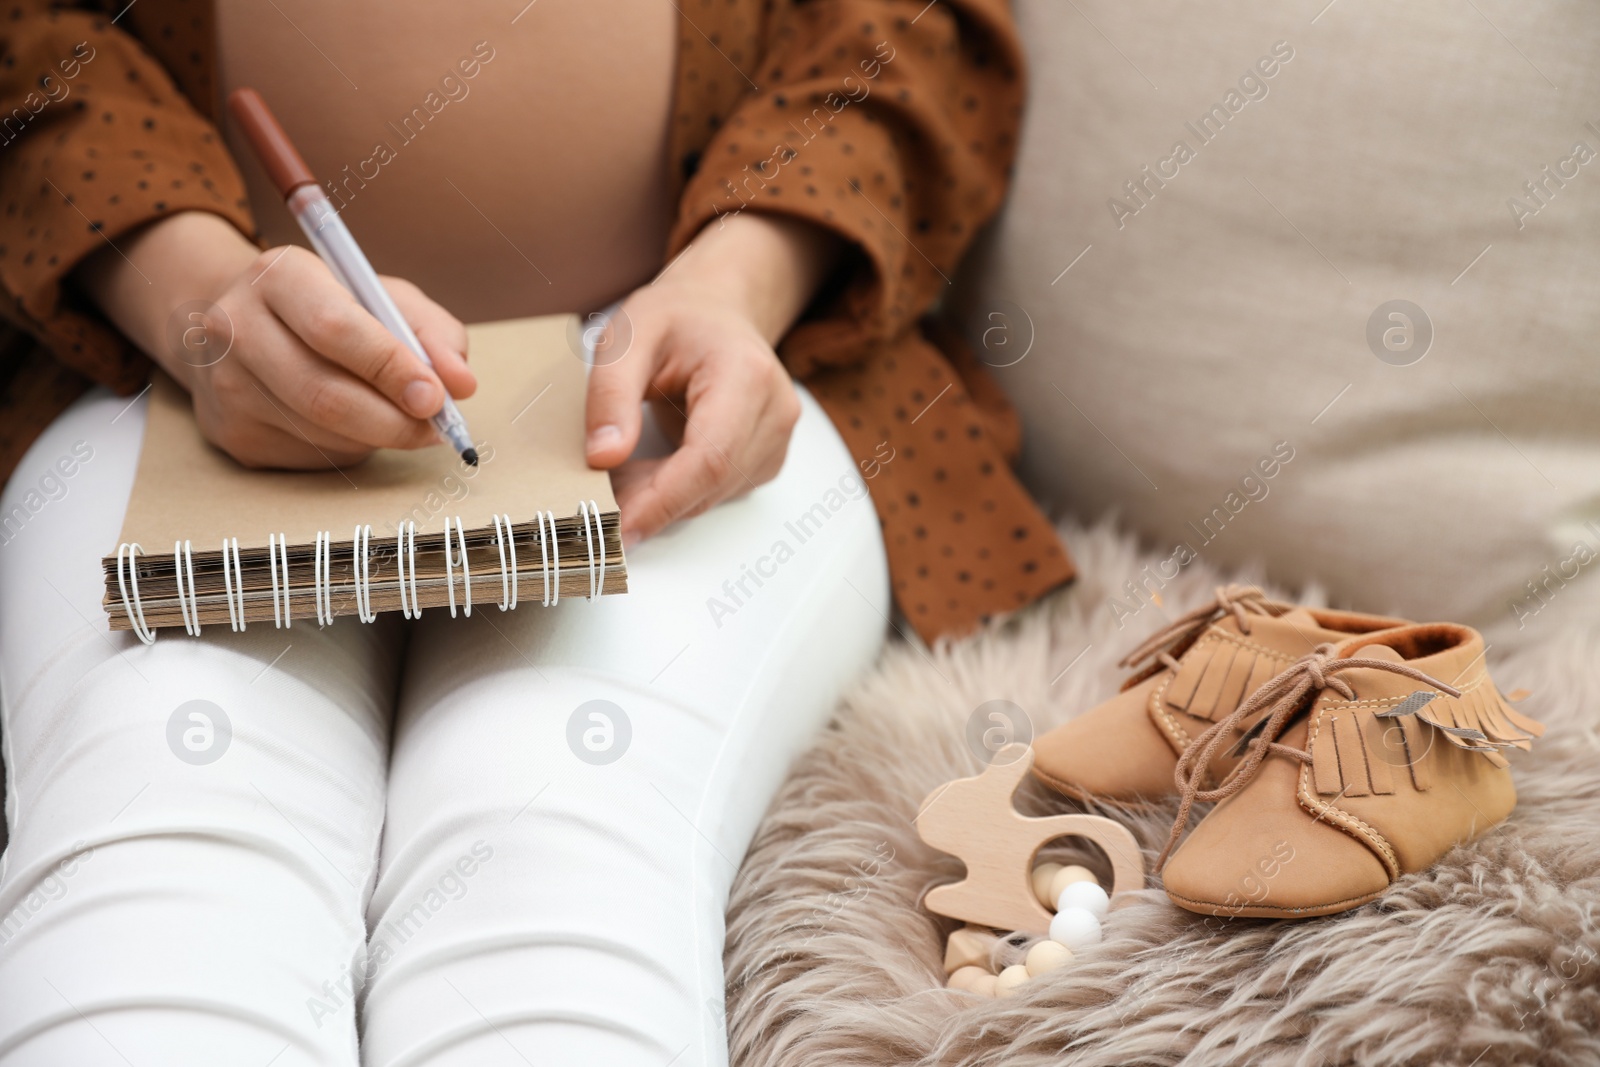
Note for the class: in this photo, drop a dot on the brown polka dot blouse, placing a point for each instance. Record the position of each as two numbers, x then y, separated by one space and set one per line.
890 122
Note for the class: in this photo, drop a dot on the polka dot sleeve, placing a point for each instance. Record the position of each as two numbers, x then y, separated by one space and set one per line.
891 122
96 140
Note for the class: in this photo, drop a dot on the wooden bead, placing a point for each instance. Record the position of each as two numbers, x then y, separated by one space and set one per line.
984 985
1042 876
1047 956
968 947
1086 895
1065 877
1007 981
966 978
1075 928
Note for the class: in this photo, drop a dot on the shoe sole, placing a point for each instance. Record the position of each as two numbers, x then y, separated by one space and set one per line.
1256 911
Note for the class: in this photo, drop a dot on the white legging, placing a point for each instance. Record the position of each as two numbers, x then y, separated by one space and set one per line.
409 832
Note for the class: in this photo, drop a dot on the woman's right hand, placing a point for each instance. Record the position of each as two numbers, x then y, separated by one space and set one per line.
284 367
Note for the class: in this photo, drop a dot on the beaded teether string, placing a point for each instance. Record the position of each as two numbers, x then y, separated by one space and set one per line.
1285 695
1241 600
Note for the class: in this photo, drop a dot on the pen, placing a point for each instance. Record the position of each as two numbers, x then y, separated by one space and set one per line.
328 234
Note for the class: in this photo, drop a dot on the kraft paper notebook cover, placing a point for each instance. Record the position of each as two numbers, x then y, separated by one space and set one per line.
532 521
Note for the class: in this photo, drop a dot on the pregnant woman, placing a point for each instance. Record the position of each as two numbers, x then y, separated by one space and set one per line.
392 855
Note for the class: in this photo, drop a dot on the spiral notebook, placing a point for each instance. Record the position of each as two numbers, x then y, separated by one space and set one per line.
207 542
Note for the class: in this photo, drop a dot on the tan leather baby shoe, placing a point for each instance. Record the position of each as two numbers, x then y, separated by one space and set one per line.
1367 760
1190 675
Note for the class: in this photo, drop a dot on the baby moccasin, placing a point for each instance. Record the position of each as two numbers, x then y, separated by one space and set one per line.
1364 761
1188 676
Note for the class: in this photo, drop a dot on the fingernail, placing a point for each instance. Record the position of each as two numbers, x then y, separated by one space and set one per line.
420 398
604 437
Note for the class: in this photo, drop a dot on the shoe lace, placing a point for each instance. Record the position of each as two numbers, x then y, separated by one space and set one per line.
1238 599
1285 694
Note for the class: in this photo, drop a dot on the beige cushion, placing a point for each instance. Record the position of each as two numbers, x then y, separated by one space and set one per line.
1232 309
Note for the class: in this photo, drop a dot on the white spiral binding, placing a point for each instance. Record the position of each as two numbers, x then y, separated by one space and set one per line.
235 610
177 574
466 573
327 576
322 577
555 560
361 573
134 610
283 557
227 585
238 581
552 561
544 554
588 541
366 575
508 585
405 605
272 566
411 548
316 578
355 573
190 606
511 537
449 572
600 537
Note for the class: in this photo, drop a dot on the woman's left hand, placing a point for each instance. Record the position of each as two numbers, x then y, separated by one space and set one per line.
698 344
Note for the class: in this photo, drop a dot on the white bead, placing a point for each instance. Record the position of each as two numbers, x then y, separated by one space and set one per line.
984 985
1042 876
1047 956
1065 877
1075 928
1007 981
1086 895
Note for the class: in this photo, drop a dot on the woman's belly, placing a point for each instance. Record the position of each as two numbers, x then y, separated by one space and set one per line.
507 167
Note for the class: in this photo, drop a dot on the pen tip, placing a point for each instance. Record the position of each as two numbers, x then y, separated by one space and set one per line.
471 456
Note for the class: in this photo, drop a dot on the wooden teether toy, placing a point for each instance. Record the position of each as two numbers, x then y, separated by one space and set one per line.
974 820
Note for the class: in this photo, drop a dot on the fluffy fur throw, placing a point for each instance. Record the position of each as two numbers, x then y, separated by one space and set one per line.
1491 957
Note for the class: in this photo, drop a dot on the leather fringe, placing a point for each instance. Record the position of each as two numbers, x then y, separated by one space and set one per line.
1217 674
1360 752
